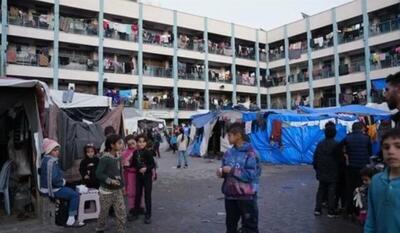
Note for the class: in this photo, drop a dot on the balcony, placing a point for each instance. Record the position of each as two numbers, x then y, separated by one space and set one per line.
323 73
385 27
220 48
28 56
191 43
120 31
246 79
87 26
276 56
246 52
388 62
350 34
23 18
157 38
157 72
298 78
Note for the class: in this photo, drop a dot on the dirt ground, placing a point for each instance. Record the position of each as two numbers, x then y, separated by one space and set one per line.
190 201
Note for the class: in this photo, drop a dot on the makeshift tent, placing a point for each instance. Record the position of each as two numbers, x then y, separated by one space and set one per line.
135 122
286 137
77 121
22 113
79 100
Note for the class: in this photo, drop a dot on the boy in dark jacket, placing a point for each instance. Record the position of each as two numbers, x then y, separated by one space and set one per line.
326 165
357 150
241 172
143 161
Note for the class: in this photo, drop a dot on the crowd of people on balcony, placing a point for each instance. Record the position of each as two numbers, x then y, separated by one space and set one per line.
219 75
191 43
246 78
245 52
190 71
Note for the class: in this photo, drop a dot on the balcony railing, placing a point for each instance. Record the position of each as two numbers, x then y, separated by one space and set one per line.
323 73
192 44
157 38
385 27
78 63
390 61
190 105
42 21
349 36
298 78
246 80
158 72
79 26
28 59
191 76
276 56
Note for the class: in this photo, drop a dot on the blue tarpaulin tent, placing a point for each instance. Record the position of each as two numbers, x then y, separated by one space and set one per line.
300 132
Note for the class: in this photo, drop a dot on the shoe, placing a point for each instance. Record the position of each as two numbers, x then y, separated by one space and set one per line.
132 217
332 215
317 213
186 166
147 220
70 221
179 166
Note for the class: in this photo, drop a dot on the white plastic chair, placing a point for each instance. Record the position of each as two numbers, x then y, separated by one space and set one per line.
4 181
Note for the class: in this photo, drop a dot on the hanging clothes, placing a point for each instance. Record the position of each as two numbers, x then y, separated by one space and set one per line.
276 134
372 132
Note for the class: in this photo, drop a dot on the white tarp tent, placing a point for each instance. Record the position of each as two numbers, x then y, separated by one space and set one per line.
80 100
131 124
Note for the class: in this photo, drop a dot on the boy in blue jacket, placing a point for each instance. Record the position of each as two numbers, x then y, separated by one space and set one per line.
241 172
384 193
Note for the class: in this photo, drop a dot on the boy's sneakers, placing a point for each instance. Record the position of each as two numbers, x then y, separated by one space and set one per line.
147 220
179 166
333 214
186 166
317 213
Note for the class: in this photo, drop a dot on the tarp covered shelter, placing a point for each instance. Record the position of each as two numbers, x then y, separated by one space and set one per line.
78 122
22 117
299 132
134 121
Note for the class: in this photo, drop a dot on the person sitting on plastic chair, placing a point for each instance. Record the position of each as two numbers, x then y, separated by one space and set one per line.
52 182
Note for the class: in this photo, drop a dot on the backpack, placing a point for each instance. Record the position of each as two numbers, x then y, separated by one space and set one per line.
61 215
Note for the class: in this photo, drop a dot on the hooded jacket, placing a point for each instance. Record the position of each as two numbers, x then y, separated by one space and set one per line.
326 160
88 167
383 204
246 170
51 176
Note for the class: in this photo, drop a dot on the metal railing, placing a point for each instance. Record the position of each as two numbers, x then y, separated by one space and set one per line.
385 27
157 72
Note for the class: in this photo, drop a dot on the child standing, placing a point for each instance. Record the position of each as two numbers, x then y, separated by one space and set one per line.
109 173
361 193
143 161
326 165
52 182
182 142
173 142
88 167
129 172
241 171
384 192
